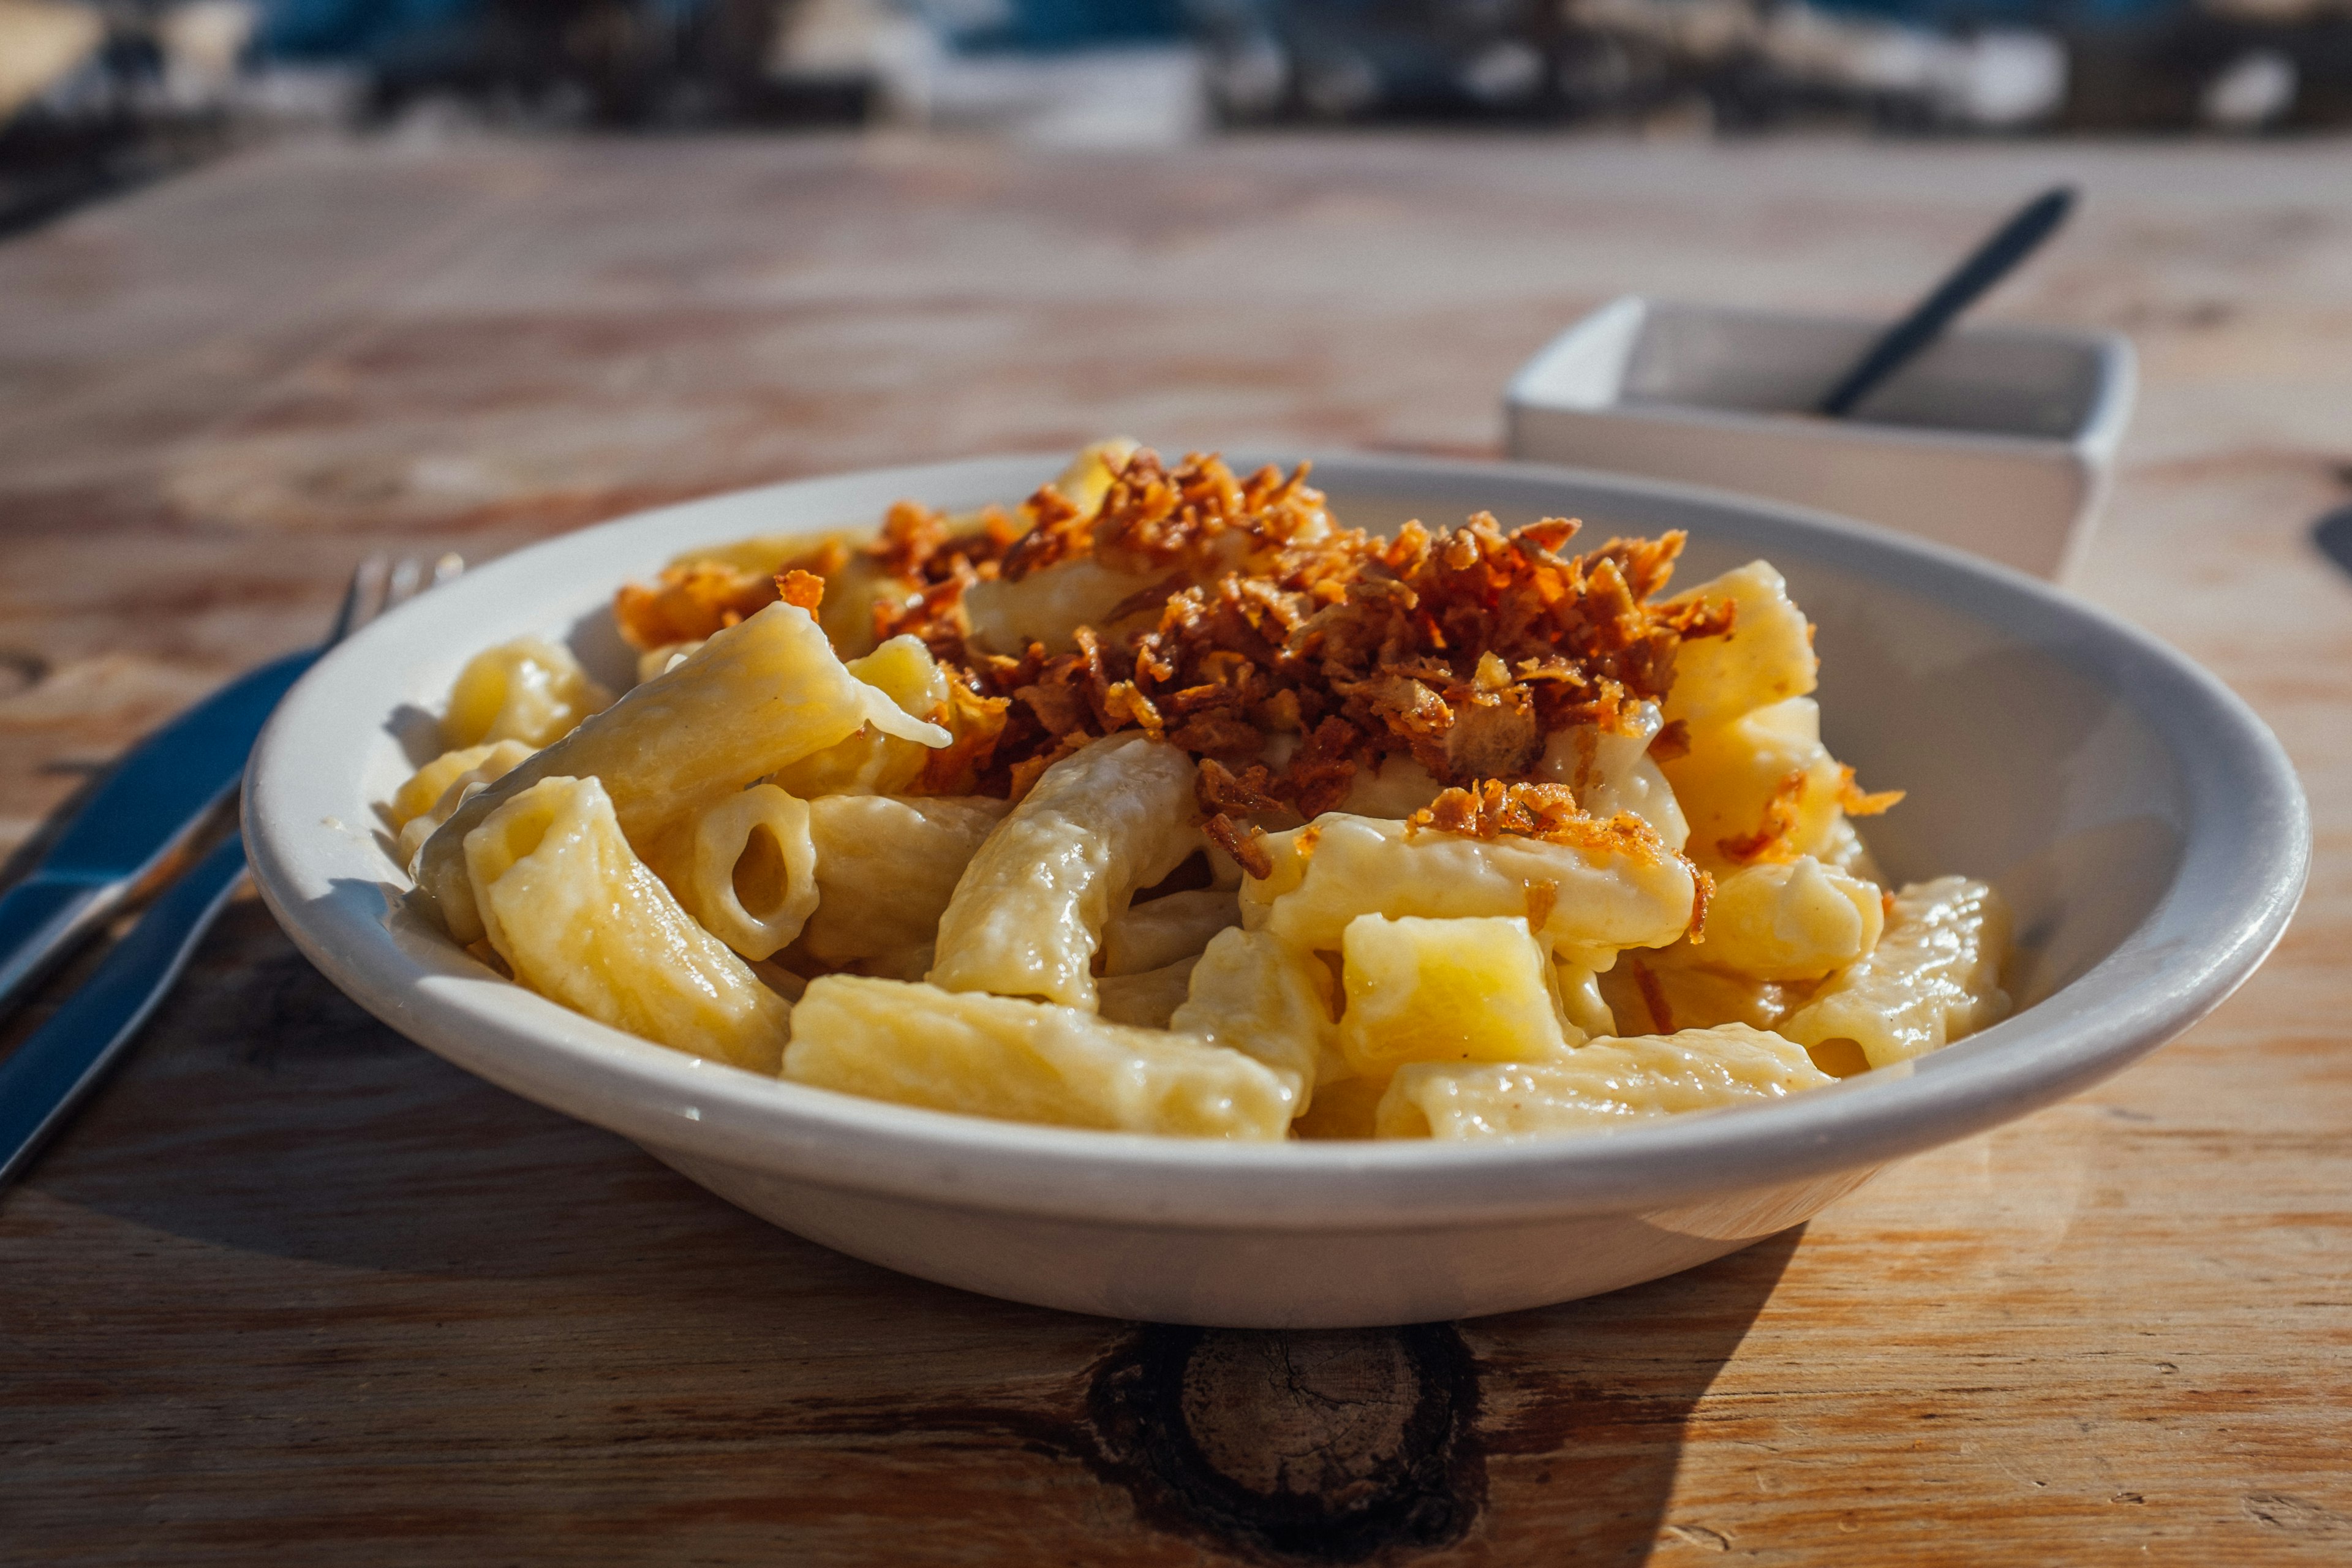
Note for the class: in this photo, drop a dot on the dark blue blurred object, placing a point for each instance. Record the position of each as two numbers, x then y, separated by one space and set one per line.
1056 24
346 29
359 29
2010 13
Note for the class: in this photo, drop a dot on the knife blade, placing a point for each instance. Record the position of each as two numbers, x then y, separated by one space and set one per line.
56 1065
131 827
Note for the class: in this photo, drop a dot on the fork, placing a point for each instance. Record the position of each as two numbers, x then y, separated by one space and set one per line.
59 1064
379 583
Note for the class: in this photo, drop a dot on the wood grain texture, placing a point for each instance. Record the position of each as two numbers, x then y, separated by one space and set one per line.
295 1286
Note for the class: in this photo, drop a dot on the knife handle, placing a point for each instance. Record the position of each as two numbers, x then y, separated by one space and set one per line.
46 1076
43 916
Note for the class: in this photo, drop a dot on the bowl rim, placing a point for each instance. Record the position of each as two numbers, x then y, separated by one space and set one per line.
2245 852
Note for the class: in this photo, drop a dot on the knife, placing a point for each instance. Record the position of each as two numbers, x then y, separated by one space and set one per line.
46 1076
143 813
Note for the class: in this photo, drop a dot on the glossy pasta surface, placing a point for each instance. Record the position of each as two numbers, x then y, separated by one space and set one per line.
1164 802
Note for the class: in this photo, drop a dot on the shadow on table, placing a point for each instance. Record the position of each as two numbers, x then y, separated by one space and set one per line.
271 1128
265 1111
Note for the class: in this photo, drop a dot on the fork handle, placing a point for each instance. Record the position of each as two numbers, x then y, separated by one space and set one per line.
59 1063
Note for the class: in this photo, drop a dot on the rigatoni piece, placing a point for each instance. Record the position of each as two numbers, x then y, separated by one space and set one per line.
1583 900
1027 1061
757 697
1153 935
1674 989
713 586
1046 606
1253 993
886 868
1393 787
1849 854
1934 977
1086 478
1445 990
1147 999
580 921
659 661
1582 1005
1110 818
528 689
1598 1087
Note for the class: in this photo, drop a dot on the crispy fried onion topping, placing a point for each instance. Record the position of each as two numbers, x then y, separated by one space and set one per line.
1286 652
1494 809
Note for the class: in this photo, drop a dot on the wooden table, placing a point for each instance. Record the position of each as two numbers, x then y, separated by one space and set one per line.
294 1283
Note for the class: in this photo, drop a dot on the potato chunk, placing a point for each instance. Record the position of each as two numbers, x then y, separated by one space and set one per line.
1445 990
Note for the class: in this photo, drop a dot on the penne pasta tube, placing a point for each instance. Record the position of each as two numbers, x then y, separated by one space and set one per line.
1112 817
1583 900
750 876
580 919
1934 977
886 868
1599 1087
1027 1061
1153 935
757 697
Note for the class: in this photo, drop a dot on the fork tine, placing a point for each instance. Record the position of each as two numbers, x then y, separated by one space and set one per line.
379 583
364 599
407 576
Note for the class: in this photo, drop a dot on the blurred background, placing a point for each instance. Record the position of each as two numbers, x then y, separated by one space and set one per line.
98 94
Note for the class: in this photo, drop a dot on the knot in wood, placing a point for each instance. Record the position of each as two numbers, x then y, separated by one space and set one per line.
1312 1415
1324 1446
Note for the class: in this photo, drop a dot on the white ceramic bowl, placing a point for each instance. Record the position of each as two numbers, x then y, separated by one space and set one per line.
2145 825
1999 439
